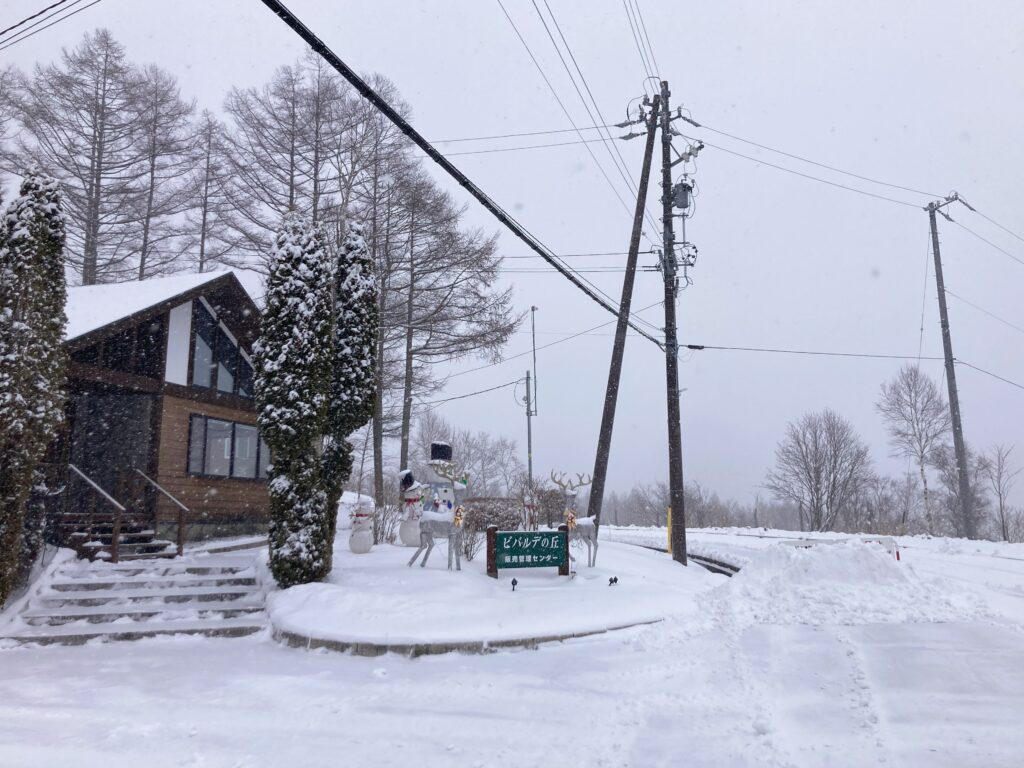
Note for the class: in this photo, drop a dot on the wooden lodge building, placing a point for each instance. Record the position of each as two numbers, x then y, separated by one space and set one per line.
161 418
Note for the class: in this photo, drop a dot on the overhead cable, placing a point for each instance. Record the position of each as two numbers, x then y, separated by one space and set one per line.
33 16
25 34
985 311
989 373
403 125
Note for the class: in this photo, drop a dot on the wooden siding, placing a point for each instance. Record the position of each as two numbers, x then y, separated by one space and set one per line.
219 498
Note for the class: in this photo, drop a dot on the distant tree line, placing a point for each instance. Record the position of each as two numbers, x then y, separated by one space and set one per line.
823 470
152 184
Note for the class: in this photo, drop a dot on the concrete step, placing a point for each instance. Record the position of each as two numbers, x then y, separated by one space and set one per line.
154 595
190 564
107 614
78 634
64 585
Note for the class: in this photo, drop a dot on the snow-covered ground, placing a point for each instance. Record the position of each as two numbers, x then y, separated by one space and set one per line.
829 656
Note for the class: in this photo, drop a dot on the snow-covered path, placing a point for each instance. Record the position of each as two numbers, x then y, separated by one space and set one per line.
908 695
769 670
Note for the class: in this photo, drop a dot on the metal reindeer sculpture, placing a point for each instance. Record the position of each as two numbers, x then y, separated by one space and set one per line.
580 529
440 522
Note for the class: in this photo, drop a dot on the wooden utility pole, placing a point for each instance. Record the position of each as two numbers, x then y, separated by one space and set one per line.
669 272
611 397
529 433
966 500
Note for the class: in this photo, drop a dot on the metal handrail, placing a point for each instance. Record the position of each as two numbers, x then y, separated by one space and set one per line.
182 509
115 535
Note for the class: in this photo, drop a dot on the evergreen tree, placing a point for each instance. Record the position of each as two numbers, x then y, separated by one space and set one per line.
32 298
354 365
293 373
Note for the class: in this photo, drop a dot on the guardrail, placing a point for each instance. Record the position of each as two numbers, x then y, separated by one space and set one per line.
115 535
182 510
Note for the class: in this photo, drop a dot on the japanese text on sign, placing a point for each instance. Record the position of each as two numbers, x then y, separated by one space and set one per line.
521 549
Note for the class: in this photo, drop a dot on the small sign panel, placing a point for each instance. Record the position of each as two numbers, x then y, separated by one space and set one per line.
526 549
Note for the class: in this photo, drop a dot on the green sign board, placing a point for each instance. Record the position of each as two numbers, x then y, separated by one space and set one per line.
526 549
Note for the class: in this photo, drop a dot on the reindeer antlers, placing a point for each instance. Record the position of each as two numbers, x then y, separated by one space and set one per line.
568 485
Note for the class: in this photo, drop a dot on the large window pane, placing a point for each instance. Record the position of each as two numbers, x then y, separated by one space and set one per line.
202 358
218 447
244 378
196 443
264 458
227 362
245 451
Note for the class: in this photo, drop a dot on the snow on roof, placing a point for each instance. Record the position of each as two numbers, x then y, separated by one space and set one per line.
93 306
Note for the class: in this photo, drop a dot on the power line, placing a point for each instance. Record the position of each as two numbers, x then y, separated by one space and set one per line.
570 337
561 104
809 161
701 347
987 242
25 35
610 146
470 394
993 221
519 149
576 255
34 15
985 311
499 213
650 48
524 133
924 296
636 40
989 373
805 175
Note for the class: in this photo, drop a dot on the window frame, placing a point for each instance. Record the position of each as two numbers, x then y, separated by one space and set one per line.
260 443
221 336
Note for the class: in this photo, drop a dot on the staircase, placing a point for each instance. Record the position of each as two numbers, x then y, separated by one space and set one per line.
212 595
93 540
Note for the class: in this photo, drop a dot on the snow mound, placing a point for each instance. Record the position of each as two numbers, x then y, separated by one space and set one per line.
847 583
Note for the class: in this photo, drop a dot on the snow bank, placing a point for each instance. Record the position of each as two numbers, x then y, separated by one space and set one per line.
376 598
846 583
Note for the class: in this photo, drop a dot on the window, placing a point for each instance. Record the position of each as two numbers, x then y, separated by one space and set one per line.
227 362
264 462
205 336
246 446
219 448
216 359
245 380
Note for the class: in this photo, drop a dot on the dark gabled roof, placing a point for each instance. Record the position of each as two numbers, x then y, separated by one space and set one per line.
97 311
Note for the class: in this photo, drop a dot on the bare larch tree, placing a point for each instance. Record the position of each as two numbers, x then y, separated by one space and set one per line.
820 466
917 419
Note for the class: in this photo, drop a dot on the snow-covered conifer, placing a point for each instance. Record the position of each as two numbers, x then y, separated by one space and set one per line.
293 369
354 366
32 298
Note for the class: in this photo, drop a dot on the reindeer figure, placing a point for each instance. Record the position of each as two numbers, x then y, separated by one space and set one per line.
444 525
582 529
442 521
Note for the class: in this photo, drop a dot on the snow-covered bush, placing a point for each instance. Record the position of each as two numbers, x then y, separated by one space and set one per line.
353 363
32 298
480 513
293 375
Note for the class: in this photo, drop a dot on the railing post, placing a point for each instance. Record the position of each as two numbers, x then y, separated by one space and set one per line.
181 531
115 538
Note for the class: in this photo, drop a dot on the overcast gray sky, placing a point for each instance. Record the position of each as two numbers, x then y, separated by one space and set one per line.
926 95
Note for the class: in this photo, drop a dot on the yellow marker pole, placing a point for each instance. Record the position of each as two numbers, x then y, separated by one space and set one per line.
668 527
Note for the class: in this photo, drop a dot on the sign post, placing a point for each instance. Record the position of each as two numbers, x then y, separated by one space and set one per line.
527 549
